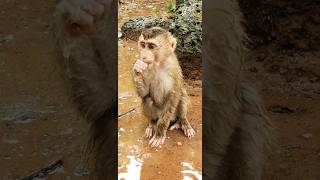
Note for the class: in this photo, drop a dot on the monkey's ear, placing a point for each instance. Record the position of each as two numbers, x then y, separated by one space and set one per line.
173 44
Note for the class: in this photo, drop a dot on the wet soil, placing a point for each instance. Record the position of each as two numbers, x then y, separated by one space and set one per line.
37 123
284 63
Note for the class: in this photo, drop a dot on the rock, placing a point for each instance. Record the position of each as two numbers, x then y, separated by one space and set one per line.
307 135
185 24
44 151
133 28
24 119
7 157
179 143
188 28
281 109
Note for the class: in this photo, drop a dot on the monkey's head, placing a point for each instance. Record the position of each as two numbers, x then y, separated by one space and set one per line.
156 45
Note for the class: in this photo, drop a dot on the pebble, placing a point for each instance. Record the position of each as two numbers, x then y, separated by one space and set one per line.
10 141
44 151
67 131
7 157
8 38
179 143
307 135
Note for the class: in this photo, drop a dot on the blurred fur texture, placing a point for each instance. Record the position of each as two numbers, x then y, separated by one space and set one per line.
237 133
90 66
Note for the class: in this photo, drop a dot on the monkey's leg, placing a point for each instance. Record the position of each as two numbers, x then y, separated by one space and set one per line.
168 113
182 115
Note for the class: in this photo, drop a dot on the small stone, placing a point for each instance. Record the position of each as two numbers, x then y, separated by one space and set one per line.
8 38
23 119
179 143
10 141
44 151
119 35
7 157
67 131
307 135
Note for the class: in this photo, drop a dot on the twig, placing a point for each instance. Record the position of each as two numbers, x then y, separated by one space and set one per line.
45 171
120 115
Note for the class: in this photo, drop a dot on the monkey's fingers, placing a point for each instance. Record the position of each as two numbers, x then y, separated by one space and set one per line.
190 133
149 132
157 140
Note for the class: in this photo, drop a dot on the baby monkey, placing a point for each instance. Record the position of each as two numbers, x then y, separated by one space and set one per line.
159 82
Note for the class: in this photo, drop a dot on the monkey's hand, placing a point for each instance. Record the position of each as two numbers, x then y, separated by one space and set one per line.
139 67
80 16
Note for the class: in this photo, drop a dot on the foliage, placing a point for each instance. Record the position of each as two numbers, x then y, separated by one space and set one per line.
171 6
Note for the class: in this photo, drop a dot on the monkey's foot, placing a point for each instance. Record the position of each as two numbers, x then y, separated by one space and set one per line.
188 131
149 132
156 141
176 125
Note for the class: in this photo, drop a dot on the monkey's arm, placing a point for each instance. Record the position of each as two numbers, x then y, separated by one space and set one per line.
142 88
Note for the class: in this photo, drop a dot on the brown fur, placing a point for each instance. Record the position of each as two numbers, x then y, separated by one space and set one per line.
161 85
237 133
90 65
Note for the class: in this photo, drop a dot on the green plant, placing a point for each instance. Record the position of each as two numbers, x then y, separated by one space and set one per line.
153 9
171 6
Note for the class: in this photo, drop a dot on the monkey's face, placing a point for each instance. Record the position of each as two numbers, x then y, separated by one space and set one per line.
156 50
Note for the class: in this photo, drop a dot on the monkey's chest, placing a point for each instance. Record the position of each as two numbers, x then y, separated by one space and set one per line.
159 87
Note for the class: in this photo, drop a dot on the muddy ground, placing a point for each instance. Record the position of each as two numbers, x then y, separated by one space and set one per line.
179 157
38 125
285 65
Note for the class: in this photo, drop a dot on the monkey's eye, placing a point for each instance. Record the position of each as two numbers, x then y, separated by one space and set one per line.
152 46
143 45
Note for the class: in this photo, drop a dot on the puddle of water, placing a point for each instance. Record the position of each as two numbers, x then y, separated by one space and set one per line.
189 173
133 169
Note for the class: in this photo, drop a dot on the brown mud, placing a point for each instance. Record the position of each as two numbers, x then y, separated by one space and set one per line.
285 64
